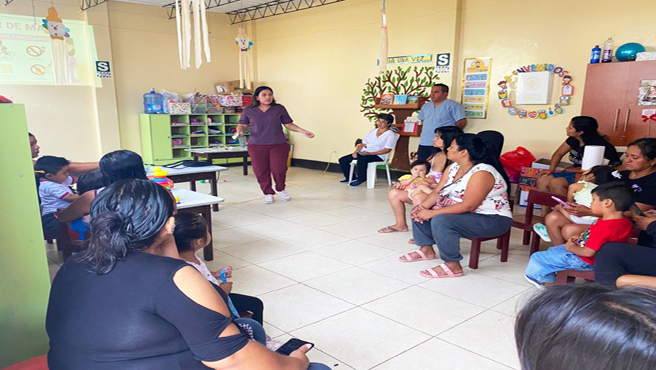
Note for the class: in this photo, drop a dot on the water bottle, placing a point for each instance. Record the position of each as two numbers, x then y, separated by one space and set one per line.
242 141
607 55
596 55
153 102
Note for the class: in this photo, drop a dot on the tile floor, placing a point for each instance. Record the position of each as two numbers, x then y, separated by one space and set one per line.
327 276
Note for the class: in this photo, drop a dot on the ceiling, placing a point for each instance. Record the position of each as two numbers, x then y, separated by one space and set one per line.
230 5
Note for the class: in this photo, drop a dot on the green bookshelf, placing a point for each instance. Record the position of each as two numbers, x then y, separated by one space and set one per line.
164 137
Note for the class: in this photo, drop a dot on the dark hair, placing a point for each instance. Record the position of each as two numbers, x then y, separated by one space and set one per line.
480 152
120 165
588 327
420 162
30 134
125 217
189 227
587 125
387 117
90 181
617 191
49 164
647 146
258 90
447 134
443 87
602 174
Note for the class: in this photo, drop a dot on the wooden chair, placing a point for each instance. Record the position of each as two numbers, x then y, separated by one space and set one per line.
569 276
543 199
65 243
503 243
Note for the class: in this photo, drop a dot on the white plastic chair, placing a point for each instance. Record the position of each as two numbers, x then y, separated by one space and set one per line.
371 172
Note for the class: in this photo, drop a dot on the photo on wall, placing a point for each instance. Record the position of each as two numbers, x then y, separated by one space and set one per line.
647 92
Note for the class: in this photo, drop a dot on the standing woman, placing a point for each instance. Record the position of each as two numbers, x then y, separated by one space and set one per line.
267 145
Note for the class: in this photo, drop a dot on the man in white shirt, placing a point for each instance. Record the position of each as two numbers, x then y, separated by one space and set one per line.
439 112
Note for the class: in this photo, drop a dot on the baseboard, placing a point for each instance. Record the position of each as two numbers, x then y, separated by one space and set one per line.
334 167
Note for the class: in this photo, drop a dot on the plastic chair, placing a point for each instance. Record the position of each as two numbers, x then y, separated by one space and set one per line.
371 172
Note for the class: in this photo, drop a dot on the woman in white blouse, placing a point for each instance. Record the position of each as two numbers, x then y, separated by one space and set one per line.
375 147
471 200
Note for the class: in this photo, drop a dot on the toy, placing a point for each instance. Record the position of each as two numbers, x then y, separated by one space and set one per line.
159 176
224 279
628 52
61 64
245 63
177 200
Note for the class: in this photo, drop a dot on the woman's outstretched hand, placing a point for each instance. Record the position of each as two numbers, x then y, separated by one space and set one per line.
308 134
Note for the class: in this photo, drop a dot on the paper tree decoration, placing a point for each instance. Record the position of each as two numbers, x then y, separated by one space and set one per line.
61 65
382 59
183 10
245 66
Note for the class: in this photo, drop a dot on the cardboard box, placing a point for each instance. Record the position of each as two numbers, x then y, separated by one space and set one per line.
528 176
229 87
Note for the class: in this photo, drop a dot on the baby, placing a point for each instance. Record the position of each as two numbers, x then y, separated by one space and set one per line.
418 183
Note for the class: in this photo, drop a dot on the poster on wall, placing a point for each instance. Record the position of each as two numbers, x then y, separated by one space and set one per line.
443 63
410 59
647 92
475 86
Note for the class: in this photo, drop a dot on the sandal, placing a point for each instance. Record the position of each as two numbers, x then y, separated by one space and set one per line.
411 241
390 229
422 257
432 274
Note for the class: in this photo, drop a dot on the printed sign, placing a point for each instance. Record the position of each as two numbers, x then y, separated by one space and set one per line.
443 63
410 59
103 70
476 86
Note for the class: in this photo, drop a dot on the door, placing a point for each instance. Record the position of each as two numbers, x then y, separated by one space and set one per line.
604 97
160 131
632 126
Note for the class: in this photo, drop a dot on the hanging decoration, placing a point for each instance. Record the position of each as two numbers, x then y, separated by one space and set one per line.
61 66
245 63
567 90
382 59
183 10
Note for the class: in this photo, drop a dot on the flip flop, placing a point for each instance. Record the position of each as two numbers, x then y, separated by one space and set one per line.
389 229
432 274
411 241
422 257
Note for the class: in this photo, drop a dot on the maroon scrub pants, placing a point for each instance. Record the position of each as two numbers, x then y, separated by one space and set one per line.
268 160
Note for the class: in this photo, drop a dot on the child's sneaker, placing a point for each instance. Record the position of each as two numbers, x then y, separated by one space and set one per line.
268 199
284 196
535 283
541 230
272 344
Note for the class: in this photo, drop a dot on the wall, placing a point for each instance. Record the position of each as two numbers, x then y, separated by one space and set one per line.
145 52
24 280
318 60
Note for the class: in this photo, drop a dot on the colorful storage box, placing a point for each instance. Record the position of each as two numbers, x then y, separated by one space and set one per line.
178 108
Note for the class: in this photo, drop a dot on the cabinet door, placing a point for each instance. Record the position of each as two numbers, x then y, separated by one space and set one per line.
632 127
160 130
604 95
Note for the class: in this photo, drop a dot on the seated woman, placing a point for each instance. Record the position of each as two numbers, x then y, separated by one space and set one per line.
75 168
398 197
619 263
581 131
114 166
375 147
121 305
587 327
471 200
639 173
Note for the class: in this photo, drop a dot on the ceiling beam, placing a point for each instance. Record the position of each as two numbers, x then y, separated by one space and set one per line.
88 4
7 2
274 8
209 4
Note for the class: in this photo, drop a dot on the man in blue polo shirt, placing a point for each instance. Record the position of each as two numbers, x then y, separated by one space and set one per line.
439 112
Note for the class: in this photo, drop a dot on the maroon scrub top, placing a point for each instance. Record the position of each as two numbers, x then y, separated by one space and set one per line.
266 127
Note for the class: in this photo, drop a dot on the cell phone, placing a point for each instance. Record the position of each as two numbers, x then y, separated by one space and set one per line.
565 204
292 345
636 210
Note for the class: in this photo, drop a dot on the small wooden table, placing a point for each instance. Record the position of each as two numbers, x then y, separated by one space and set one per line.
220 153
191 201
193 174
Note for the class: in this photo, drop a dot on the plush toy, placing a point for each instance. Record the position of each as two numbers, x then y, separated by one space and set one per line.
61 64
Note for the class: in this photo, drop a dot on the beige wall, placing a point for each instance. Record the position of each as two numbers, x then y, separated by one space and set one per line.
318 60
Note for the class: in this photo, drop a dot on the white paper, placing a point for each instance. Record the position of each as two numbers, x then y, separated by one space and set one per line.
593 155
534 87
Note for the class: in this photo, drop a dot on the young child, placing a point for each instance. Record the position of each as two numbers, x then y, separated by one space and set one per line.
579 193
54 192
609 200
89 181
418 183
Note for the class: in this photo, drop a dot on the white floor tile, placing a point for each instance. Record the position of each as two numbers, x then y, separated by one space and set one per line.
360 338
424 310
262 250
222 260
475 288
311 239
304 266
512 306
489 334
403 271
315 355
353 213
396 241
355 252
438 354
234 236
511 270
296 306
275 228
356 285
316 219
351 229
254 280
